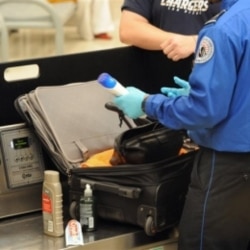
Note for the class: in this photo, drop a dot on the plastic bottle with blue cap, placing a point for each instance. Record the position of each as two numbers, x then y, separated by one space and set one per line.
112 85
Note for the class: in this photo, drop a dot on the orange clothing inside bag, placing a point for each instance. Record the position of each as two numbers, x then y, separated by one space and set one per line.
182 151
101 159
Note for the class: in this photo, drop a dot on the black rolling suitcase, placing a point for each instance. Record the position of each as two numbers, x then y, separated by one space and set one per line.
72 123
148 195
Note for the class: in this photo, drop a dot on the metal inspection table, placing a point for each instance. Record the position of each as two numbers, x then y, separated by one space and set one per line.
26 233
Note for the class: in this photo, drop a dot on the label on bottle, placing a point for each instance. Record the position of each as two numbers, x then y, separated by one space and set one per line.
50 226
46 203
87 216
91 222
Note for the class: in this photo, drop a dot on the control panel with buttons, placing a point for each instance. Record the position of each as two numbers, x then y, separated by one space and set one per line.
21 156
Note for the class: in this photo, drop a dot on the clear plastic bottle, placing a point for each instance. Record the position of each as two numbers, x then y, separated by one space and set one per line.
88 210
52 205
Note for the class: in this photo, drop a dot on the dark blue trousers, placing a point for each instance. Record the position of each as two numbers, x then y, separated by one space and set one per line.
216 214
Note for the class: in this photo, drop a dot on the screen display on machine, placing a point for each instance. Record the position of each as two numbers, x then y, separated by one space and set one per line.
20 143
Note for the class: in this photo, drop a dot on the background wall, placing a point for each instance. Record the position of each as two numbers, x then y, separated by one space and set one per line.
30 43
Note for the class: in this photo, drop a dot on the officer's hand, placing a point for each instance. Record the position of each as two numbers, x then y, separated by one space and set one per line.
174 92
131 103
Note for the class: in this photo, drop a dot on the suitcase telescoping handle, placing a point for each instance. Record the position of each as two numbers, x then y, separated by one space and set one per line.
112 107
138 122
124 191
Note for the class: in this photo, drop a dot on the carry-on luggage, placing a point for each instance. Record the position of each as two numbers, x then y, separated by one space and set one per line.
148 195
72 123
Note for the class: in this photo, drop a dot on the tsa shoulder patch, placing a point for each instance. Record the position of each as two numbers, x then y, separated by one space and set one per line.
205 50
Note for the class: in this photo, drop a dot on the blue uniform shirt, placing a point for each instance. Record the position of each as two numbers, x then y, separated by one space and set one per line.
217 111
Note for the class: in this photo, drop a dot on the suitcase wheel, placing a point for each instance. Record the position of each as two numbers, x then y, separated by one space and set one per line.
73 210
149 227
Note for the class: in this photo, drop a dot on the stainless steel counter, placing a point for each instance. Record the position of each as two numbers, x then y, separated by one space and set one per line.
26 233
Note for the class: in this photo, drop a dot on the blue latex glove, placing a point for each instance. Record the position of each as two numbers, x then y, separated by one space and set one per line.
174 92
131 103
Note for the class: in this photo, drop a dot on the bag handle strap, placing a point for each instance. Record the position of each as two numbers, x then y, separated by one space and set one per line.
83 149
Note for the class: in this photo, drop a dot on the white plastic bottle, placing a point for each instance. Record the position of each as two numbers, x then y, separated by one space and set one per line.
52 206
111 84
88 210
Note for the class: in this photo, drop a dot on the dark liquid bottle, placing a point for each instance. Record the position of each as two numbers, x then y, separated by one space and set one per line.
88 210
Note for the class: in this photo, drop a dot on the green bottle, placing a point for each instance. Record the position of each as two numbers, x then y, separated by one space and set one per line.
88 210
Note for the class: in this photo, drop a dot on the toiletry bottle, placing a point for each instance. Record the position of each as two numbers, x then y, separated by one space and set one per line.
88 210
52 206
111 84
